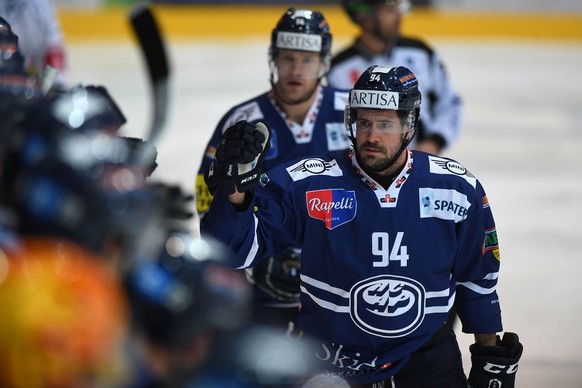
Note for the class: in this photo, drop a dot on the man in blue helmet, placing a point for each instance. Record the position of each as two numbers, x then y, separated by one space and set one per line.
306 118
391 238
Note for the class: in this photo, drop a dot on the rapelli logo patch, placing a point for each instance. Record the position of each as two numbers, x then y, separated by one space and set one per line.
334 207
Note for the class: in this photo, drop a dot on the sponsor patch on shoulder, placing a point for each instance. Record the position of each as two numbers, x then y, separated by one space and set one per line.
491 243
450 167
445 204
313 166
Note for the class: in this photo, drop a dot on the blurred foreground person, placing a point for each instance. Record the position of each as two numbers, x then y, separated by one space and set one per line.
75 211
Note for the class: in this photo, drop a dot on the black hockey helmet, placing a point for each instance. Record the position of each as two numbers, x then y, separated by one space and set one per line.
354 7
186 291
393 88
303 30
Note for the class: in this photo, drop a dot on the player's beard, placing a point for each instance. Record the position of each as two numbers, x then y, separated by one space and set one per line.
385 164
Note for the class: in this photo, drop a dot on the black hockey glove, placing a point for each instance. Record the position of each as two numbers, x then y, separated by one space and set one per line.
278 275
495 366
238 160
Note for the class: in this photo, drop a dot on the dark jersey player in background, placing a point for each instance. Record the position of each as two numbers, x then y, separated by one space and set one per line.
306 118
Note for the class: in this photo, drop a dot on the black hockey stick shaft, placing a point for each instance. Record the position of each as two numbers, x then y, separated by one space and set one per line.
153 50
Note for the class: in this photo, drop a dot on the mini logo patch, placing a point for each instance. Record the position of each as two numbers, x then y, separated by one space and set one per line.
447 166
313 166
334 207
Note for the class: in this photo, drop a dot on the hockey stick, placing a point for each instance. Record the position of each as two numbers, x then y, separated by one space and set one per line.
153 49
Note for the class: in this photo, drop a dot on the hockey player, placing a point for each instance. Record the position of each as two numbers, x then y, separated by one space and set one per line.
380 43
306 117
41 41
391 238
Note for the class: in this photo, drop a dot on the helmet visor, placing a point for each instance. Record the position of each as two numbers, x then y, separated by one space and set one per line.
367 120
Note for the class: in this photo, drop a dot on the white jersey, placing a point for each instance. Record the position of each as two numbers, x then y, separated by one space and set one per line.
442 108
40 39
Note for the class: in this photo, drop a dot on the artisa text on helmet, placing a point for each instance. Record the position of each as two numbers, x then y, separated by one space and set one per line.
297 41
373 99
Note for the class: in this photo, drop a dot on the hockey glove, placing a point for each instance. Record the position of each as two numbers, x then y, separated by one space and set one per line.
278 276
238 160
495 366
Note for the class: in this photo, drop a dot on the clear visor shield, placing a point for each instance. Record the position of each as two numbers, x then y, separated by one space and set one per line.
367 120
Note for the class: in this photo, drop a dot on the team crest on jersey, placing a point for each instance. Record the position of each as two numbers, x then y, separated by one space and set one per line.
313 166
443 203
388 306
334 207
448 166
491 243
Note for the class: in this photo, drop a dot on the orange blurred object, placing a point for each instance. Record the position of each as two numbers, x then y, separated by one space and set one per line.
63 317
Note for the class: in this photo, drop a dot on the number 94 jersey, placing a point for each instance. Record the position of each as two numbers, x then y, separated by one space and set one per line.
380 268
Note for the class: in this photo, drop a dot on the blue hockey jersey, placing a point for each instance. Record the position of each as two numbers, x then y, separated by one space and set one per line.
380 268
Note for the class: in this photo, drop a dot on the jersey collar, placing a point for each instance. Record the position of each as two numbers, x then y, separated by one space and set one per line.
389 197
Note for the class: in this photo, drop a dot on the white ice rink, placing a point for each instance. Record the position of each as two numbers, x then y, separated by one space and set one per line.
522 138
